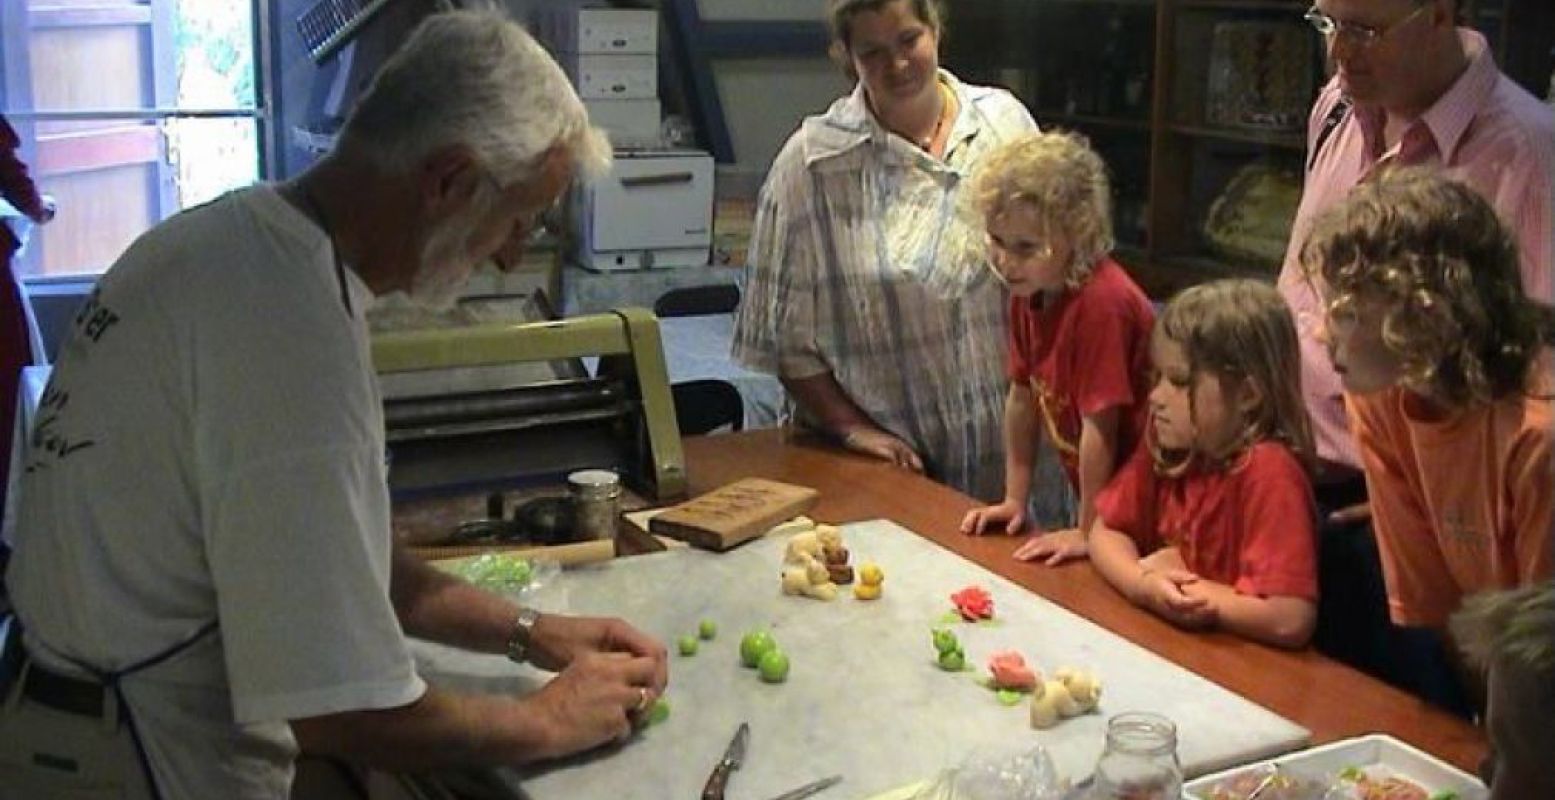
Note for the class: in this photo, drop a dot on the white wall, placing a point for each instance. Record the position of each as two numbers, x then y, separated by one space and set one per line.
780 10
765 99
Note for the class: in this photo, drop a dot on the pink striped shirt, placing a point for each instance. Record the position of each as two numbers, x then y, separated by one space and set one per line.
1486 131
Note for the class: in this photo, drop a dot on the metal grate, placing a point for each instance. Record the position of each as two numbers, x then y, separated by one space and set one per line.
329 23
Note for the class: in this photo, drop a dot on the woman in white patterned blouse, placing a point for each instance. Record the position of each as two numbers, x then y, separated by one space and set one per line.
867 290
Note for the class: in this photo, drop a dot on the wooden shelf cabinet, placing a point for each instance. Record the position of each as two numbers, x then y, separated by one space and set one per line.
1182 98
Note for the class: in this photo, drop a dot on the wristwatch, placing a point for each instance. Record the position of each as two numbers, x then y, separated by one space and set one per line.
523 634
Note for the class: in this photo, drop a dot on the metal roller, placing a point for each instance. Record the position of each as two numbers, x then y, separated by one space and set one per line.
536 400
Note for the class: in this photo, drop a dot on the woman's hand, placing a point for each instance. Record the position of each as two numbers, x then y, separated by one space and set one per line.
884 446
1351 515
1053 548
986 519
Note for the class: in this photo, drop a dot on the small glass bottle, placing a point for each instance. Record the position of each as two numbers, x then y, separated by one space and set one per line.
596 495
1140 762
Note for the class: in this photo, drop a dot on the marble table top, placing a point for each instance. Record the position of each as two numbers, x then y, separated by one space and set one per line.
863 698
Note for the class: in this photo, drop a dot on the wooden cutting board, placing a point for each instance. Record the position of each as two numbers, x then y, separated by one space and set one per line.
734 513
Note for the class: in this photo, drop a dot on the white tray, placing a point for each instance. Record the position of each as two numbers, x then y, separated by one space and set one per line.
1380 755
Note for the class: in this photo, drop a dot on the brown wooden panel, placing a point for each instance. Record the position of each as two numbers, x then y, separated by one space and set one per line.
87 16
38 5
112 77
100 213
97 149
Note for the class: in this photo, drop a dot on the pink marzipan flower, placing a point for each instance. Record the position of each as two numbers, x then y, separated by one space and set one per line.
1010 671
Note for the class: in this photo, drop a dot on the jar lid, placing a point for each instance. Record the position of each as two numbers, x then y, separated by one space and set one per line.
1141 732
593 479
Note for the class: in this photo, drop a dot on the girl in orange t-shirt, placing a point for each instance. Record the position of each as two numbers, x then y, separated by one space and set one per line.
1447 381
1212 522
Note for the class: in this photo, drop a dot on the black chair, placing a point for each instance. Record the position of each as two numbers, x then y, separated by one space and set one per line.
707 405
697 300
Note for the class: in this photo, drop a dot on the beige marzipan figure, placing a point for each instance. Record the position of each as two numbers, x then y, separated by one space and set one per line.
804 573
1070 692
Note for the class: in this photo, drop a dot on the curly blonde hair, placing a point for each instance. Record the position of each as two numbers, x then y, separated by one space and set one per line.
1064 180
1241 329
1444 268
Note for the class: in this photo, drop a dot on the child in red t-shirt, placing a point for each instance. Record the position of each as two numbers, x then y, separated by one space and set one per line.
1079 329
1211 523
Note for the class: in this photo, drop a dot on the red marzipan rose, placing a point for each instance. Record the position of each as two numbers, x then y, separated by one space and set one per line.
973 603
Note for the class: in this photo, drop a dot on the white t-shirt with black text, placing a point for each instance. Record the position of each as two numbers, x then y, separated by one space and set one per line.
211 447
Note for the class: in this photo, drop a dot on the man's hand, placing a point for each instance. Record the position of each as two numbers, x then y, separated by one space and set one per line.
1351 515
593 701
559 641
986 519
884 446
1169 593
1053 548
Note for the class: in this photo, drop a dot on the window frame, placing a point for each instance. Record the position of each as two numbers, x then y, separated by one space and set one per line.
16 26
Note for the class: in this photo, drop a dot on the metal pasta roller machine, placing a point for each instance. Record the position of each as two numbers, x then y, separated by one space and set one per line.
504 405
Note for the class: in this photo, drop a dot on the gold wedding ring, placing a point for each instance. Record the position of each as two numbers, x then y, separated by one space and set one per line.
644 699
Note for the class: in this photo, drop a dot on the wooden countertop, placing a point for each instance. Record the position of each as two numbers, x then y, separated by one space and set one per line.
1329 698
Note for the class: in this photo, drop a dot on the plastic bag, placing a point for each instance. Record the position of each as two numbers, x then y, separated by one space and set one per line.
515 576
1026 775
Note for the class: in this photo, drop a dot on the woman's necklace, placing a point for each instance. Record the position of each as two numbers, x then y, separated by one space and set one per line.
927 144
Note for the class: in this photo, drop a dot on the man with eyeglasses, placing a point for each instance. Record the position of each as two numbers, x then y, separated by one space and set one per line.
1409 87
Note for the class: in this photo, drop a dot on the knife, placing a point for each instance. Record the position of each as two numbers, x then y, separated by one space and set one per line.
810 788
714 790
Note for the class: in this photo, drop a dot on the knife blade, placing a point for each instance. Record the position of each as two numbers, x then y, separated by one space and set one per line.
810 788
732 758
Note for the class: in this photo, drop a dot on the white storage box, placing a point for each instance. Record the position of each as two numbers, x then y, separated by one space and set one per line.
613 77
652 210
630 123
1379 756
569 29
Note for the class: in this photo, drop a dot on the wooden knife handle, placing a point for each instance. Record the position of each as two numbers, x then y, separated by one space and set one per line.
714 790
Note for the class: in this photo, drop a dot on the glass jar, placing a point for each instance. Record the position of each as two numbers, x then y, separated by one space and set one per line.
1140 762
596 495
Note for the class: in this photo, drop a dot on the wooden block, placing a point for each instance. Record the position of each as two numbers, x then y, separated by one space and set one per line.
735 513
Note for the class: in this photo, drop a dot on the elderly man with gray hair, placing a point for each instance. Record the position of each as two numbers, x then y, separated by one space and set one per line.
204 565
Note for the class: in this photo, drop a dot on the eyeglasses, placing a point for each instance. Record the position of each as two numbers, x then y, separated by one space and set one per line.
536 223
546 220
1361 35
